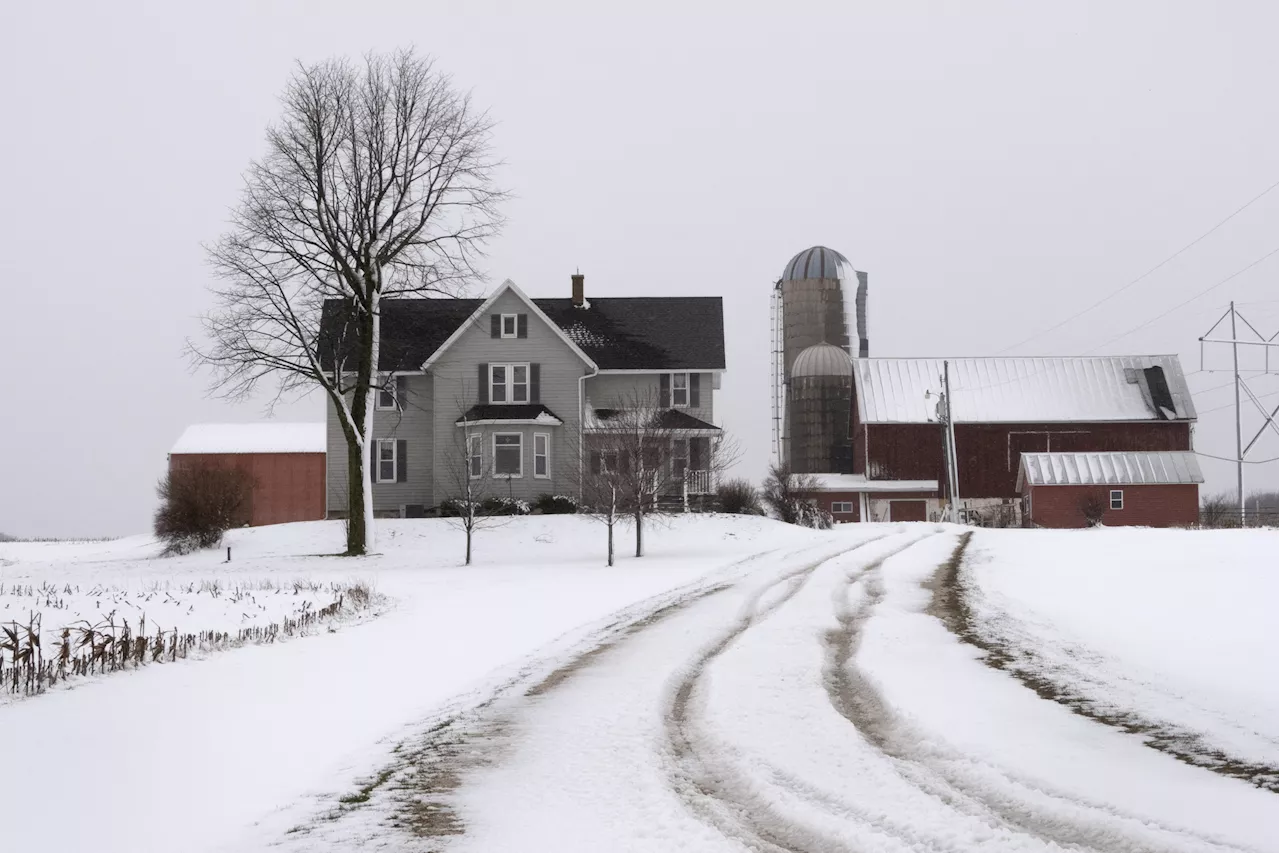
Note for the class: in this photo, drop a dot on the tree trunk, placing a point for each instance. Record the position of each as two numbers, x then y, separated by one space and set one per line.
357 464
468 545
610 540
360 527
640 534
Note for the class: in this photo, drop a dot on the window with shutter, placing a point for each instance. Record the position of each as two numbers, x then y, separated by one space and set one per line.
679 390
509 383
510 325
386 456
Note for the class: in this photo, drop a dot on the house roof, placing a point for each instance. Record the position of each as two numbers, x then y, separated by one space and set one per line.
663 419
490 412
623 333
1110 469
251 438
1024 390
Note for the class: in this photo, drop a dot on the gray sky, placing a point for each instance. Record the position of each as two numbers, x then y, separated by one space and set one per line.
994 166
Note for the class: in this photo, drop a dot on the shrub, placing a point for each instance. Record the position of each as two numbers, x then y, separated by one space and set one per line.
198 504
504 506
451 508
1092 507
809 514
549 504
739 497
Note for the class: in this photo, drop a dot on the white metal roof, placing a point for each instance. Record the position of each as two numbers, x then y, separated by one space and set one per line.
859 483
1110 469
252 438
1018 390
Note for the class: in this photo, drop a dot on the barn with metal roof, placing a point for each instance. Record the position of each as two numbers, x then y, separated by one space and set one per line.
1000 410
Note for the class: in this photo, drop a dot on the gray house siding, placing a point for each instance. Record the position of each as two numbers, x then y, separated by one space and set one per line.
414 424
456 389
608 390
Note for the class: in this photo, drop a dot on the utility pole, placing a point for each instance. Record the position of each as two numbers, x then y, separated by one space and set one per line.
1235 369
1269 419
949 444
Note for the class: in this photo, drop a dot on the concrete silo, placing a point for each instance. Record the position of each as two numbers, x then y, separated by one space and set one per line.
821 391
812 302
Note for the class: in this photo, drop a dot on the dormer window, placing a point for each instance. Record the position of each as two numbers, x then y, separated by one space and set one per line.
510 325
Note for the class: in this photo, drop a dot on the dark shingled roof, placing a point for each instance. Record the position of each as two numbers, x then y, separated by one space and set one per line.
506 412
642 333
665 419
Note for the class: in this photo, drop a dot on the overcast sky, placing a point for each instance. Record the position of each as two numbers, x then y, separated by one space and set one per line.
995 167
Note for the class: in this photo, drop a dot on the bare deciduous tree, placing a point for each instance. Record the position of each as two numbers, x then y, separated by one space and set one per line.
377 183
470 472
633 455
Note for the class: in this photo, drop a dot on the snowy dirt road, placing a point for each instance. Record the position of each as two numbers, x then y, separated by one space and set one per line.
813 704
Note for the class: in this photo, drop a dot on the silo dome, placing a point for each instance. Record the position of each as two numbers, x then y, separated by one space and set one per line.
818 262
822 360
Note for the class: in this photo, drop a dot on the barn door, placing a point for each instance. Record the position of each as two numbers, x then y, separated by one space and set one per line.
907 511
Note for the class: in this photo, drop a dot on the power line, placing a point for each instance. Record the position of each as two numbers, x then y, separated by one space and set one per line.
1220 387
1184 303
1116 293
1232 405
1246 461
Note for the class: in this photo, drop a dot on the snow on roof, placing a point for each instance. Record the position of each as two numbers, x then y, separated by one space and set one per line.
1021 390
252 438
859 483
1110 469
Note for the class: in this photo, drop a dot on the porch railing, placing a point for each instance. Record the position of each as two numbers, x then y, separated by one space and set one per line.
699 482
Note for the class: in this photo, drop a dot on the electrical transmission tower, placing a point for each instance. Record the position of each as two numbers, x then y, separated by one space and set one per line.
1269 419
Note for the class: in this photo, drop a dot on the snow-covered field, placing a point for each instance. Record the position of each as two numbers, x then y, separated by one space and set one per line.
746 686
192 754
1164 629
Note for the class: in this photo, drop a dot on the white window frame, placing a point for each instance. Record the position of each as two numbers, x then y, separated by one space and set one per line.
494 444
509 384
545 455
836 507
379 405
515 325
475 456
685 389
605 466
395 460
1117 497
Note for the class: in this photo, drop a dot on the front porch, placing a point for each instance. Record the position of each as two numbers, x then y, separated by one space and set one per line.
671 453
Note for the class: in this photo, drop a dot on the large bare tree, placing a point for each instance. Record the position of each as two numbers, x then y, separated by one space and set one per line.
377 182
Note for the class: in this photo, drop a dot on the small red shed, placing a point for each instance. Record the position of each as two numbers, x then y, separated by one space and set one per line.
1136 488
285 460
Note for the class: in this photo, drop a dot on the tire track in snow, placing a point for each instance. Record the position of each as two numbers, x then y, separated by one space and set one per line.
1001 650
708 783
413 793
957 780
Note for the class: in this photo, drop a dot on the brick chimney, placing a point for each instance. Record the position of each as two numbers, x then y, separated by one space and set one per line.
579 298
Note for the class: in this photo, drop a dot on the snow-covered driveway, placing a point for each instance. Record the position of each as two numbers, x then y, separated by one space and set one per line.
815 705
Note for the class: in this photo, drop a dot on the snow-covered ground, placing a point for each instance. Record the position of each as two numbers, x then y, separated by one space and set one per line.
1164 629
191 754
747 686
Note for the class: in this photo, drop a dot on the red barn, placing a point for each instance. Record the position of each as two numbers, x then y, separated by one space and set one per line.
285 460
1113 489
1002 408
